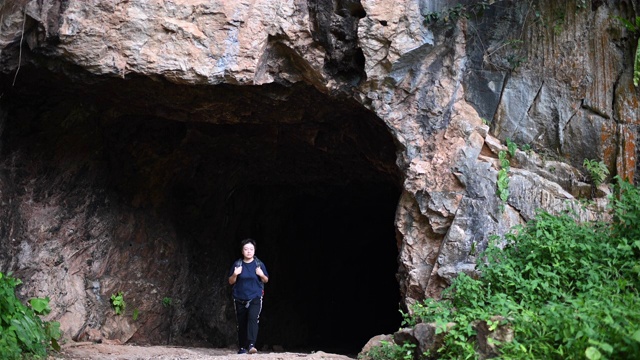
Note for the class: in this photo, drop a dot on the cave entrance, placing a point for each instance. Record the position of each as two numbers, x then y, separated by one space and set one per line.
311 178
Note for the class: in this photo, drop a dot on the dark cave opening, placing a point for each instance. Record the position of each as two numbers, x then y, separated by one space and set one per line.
345 235
311 178
331 256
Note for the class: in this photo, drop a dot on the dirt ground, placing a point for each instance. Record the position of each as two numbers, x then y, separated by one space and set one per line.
95 351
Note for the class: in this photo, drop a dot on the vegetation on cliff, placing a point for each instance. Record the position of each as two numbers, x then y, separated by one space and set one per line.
564 289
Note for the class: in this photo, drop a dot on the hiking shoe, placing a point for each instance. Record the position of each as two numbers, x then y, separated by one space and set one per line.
252 350
242 351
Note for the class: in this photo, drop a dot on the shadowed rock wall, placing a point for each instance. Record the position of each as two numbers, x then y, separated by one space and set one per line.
147 187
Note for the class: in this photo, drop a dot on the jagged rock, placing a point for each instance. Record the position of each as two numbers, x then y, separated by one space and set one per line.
405 335
489 339
423 335
428 340
118 329
89 334
375 341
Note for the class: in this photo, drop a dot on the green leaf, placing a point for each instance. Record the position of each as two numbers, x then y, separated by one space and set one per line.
636 336
40 306
606 347
592 353
628 24
55 345
512 147
53 330
118 303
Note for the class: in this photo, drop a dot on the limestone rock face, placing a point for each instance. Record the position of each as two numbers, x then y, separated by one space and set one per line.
234 42
449 93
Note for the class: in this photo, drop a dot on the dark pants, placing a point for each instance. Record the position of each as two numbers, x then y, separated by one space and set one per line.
248 314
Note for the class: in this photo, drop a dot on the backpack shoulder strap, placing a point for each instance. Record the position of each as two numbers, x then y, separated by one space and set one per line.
238 263
259 265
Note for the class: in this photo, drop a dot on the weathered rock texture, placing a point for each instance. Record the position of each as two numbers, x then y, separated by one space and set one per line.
113 175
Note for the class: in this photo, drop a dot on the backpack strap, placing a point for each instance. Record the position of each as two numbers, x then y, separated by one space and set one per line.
259 264
238 262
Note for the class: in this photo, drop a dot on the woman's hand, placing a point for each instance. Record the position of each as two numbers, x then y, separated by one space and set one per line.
234 276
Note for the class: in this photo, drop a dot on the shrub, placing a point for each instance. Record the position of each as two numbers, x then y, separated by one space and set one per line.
22 333
167 302
569 290
597 171
502 184
511 147
389 350
118 303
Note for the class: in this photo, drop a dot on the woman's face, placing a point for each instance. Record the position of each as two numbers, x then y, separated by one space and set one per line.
248 251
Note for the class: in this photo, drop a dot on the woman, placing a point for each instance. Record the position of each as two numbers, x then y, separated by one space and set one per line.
248 276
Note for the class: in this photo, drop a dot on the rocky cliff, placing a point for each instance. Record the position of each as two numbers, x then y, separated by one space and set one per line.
356 140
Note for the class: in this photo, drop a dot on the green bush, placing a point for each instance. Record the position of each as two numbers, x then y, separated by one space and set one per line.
502 188
389 350
118 303
569 290
167 302
597 171
22 333
511 147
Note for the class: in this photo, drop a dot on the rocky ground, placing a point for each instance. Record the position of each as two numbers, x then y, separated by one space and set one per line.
95 351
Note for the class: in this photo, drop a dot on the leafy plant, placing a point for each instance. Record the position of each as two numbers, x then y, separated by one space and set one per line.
390 351
515 58
22 333
458 11
581 4
558 24
515 61
511 147
567 289
135 314
502 189
507 56
118 303
597 171
626 205
167 302
504 161
431 17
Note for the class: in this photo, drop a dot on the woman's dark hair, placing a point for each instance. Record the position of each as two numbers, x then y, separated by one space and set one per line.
248 241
